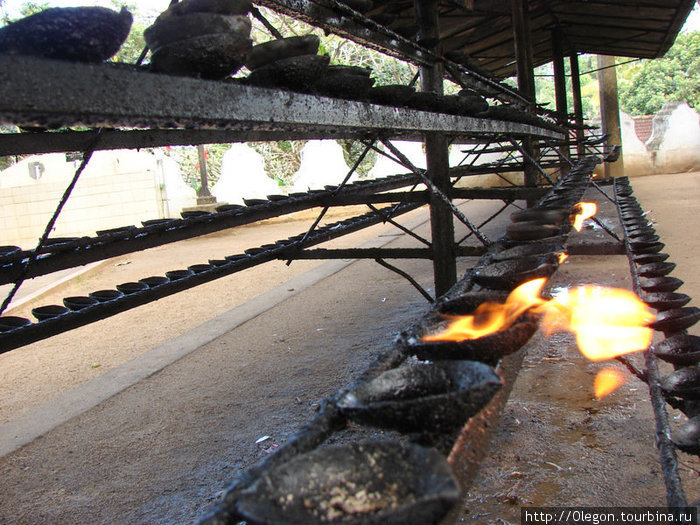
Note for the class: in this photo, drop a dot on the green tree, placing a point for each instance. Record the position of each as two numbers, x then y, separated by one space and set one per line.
544 86
675 77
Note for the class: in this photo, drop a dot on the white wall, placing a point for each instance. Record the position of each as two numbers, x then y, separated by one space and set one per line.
118 188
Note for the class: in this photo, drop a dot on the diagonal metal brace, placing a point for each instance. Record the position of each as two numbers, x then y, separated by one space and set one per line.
500 210
607 230
559 153
437 192
536 164
597 187
387 218
264 21
410 279
334 192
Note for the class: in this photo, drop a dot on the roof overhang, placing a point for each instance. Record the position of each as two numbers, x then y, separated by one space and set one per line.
482 30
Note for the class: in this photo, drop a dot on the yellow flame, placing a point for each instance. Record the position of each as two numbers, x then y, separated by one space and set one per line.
489 318
607 322
607 381
581 212
563 256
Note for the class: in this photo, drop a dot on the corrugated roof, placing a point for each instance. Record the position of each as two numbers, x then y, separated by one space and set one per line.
482 29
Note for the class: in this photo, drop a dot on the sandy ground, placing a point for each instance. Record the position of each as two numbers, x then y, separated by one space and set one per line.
161 450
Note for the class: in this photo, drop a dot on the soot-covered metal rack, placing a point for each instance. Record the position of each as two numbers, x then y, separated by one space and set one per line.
420 394
191 111
650 269
112 96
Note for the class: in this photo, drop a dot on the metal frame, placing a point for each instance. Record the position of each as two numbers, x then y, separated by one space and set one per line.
675 495
49 93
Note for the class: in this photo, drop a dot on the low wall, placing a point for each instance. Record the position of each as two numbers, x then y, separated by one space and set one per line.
116 189
673 147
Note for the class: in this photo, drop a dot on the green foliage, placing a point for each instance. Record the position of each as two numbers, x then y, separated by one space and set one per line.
675 77
544 86
282 159
31 8
188 160
352 149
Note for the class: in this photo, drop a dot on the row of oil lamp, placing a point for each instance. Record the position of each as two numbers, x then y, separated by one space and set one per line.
426 393
674 318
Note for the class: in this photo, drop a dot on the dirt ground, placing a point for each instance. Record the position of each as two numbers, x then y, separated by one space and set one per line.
161 451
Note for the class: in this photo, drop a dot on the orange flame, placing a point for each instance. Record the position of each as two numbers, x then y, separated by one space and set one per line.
563 256
581 212
607 381
490 318
607 322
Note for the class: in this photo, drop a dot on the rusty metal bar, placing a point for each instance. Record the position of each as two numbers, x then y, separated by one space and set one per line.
265 22
41 330
406 276
675 495
440 194
532 162
90 249
519 192
607 230
365 253
27 264
382 253
365 31
437 155
562 154
492 217
60 141
401 227
53 93
600 190
333 193
578 103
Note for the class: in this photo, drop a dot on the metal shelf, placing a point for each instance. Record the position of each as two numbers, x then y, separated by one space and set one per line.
52 94
283 249
337 18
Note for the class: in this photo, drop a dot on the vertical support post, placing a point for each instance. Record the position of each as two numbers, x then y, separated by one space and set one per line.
559 75
526 76
578 103
437 158
560 87
523 48
610 110
204 196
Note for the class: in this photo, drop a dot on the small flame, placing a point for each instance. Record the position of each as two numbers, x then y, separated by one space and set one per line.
490 318
563 256
581 212
607 381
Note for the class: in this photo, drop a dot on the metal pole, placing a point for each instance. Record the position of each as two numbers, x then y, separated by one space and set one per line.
526 77
436 150
204 196
610 111
560 85
578 104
